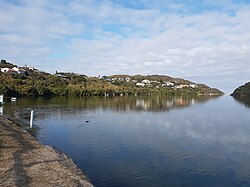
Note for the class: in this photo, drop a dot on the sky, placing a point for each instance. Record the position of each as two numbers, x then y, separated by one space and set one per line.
205 41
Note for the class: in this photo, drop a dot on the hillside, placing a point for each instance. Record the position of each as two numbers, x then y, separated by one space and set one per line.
26 81
243 90
5 64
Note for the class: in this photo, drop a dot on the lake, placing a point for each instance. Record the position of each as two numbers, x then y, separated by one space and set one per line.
147 141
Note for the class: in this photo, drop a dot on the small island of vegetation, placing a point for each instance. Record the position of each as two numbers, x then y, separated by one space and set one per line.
242 91
28 81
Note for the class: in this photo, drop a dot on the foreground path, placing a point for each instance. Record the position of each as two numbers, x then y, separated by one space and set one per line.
26 162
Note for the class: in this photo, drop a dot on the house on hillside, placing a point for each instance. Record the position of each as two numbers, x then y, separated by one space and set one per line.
14 70
4 70
193 86
19 70
168 83
127 79
62 76
121 79
8 71
182 86
107 79
140 84
30 68
145 81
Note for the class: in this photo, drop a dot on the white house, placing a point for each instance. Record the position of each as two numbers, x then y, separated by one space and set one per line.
182 86
4 70
146 81
127 79
15 69
121 79
19 70
168 83
163 85
140 84
30 68
193 85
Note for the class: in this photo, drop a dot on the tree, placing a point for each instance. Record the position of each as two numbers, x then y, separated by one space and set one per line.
3 61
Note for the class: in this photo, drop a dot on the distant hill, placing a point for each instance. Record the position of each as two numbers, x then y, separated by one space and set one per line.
170 83
243 90
154 78
26 81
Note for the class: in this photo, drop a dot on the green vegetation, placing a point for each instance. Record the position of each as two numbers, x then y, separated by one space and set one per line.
5 64
243 90
38 83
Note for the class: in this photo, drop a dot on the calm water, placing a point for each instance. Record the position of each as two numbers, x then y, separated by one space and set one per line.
148 141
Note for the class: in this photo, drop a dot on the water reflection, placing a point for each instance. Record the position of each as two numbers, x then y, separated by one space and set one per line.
243 100
63 106
153 103
1 110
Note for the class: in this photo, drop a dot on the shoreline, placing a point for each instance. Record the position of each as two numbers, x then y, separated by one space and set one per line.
27 162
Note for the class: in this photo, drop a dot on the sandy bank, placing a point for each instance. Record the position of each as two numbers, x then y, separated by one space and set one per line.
26 162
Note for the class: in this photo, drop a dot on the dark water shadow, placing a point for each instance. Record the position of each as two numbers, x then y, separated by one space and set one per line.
245 100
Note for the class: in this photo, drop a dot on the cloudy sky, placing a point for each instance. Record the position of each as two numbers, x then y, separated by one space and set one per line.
204 41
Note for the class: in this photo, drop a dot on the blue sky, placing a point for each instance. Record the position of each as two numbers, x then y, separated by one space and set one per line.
204 41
